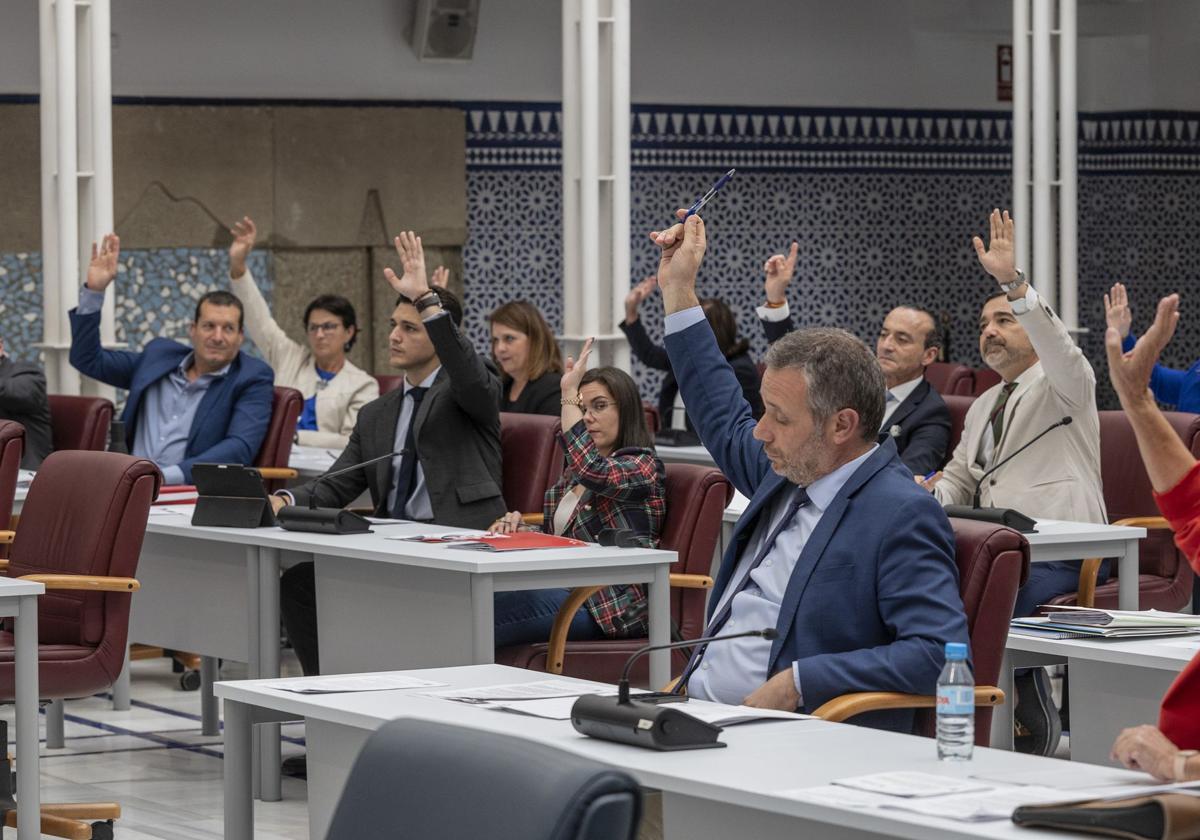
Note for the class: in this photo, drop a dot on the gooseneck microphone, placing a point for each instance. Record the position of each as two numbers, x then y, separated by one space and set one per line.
1066 421
324 520
639 720
1003 516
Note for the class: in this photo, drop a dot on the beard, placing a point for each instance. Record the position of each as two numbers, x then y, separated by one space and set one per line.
811 461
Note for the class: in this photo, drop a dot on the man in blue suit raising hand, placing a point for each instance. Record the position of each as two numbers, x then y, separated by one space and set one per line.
849 560
208 403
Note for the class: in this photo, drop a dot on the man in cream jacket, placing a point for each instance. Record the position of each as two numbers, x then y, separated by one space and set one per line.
1045 377
334 388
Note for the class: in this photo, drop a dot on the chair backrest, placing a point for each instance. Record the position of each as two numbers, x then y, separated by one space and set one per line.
388 383
276 449
949 378
1127 488
985 378
993 563
958 406
653 418
531 458
696 500
92 527
417 779
80 422
12 446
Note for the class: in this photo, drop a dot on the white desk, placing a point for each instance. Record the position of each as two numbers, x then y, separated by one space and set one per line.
18 599
311 461
1114 685
731 792
382 603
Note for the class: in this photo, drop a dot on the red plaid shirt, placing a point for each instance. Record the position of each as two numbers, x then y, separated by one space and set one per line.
625 490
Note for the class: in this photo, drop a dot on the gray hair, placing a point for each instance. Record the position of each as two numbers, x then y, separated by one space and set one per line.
840 372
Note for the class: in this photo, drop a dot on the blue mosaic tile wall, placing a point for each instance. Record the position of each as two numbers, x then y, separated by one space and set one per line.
882 202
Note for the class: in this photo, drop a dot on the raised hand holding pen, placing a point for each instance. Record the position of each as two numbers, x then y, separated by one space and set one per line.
708 196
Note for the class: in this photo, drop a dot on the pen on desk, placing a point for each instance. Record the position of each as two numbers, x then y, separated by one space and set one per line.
708 196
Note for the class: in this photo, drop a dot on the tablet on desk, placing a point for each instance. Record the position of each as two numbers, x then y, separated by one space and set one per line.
230 496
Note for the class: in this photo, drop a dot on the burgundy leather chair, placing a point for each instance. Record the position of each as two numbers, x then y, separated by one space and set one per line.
12 446
532 460
80 422
696 499
948 378
959 406
985 378
388 383
1165 580
653 419
276 449
86 555
993 563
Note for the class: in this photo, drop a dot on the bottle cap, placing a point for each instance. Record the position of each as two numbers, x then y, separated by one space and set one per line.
956 650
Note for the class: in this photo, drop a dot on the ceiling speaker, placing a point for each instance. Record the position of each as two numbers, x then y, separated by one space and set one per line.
444 30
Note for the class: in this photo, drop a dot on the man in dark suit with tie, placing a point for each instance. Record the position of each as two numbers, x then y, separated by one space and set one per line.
839 550
914 415
445 419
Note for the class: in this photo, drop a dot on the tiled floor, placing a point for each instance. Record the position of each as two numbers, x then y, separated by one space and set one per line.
156 764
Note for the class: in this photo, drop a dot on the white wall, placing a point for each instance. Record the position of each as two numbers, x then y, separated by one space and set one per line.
853 53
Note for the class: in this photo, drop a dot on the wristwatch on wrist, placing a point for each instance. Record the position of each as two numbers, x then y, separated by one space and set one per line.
1016 284
1023 304
427 300
1181 760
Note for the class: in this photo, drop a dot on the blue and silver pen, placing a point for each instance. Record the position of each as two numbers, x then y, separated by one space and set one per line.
708 196
929 476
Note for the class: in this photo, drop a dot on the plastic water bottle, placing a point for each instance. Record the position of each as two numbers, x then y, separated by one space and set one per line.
955 706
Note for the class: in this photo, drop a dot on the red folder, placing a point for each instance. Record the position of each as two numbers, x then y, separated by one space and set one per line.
520 541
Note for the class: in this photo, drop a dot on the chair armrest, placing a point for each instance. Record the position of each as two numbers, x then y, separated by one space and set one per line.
533 519
276 473
682 581
92 583
562 623
848 705
6 537
1089 570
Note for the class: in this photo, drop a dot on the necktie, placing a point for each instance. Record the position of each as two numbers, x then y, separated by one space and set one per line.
406 481
799 500
996 418
889 398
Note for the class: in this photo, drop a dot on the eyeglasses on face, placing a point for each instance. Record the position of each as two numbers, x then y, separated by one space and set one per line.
597 407
328 327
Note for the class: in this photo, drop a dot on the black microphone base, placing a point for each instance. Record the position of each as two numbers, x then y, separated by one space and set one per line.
1001 516
643 725
321 520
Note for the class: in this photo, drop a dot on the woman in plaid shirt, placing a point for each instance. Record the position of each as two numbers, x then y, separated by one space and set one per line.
612 479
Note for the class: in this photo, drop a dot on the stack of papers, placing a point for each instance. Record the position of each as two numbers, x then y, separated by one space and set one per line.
344 683
1082 623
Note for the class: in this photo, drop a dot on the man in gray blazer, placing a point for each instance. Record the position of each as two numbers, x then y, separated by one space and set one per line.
445 419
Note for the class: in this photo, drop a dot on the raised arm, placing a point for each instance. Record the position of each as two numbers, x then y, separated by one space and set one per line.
647 352
774 315
1167 384
112 367
473 384
261 326
1066 368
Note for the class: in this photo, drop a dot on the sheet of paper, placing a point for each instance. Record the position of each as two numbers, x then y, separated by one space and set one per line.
837 797
1081 777
166 510
552 708
439 536
722 715
341 683
995 804
536 690
911 783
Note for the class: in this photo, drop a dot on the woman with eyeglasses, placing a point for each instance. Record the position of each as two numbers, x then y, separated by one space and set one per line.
334 388
529 359
612 479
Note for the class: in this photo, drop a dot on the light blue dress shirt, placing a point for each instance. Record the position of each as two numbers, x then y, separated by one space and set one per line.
730 671
165 418
419 506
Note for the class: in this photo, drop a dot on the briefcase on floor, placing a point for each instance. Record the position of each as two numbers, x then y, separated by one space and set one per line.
1165 816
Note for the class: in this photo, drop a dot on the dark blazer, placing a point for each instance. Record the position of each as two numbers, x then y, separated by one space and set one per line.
234 413
655 356
23 400
540 396
873 598
920 426
458 441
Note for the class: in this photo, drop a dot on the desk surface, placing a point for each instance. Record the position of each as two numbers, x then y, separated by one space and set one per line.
761 761
16 588
1168 654
175 521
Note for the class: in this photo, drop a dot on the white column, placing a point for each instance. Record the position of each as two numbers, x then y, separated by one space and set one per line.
595 148
1021 175
77 202
1042 269
1068 166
